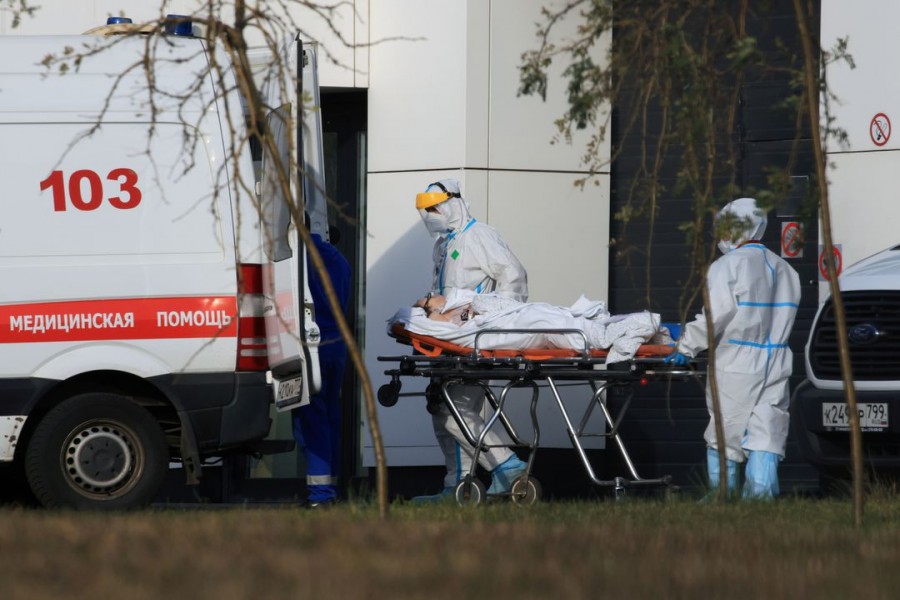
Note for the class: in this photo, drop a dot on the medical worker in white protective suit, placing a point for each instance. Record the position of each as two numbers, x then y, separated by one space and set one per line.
469 255
754 296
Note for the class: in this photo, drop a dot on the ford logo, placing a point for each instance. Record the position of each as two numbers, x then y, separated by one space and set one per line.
862 335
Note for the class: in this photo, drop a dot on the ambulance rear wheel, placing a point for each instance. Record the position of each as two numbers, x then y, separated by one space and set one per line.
96 451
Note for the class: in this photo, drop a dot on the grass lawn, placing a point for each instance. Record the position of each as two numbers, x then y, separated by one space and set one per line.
792 548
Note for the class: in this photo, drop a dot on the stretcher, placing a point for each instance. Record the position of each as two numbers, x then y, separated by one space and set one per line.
446 364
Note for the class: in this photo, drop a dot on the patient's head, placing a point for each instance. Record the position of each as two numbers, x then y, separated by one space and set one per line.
432 304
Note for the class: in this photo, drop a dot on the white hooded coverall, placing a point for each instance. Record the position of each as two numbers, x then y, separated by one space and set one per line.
470 255
754 296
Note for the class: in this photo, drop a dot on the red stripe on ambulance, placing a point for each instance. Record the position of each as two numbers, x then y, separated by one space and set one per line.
121 319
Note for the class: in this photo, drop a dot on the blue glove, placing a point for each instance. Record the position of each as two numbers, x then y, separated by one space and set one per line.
678 359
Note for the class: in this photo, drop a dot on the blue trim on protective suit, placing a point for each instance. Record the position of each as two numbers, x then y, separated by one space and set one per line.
453 234
762 249
766 346
441 270
450 237
769 304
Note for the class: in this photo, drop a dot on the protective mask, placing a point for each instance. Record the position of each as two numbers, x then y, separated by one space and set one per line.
436 223
726 246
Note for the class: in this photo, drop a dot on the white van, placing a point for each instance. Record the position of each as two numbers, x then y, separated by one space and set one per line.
870 292
147 290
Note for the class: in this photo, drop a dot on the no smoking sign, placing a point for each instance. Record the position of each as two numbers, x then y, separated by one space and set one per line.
838 261
791 240
880 129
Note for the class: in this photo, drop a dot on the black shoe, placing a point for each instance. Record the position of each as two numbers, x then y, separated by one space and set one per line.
321 504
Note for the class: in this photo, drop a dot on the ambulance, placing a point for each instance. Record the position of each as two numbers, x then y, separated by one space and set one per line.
154 299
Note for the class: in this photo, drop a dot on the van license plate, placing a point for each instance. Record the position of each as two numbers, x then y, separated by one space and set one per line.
873 416
289 393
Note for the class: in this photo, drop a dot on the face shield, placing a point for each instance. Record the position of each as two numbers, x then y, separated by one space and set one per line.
739 222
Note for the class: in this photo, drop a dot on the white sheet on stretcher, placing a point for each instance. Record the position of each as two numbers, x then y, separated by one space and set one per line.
620 334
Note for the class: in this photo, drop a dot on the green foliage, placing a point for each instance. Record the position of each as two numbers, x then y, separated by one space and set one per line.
674 77
18 9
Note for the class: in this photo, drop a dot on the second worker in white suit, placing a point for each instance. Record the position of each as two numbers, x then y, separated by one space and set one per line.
754 296
469 255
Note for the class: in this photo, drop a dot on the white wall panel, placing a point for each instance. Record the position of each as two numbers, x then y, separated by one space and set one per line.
475 190
866 89
862 183
478 79
522 128
417 85
335 26
398 271
361 39
560 232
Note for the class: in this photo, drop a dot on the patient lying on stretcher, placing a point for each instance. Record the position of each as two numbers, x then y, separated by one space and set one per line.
459 316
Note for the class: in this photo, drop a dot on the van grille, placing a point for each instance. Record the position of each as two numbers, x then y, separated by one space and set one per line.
874 350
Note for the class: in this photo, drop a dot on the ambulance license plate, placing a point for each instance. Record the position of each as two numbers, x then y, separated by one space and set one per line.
289 393
873 416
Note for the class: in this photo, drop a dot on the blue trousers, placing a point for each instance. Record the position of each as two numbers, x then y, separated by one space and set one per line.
317 426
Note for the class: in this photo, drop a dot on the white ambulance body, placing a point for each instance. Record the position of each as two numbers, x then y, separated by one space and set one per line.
862 167
132 312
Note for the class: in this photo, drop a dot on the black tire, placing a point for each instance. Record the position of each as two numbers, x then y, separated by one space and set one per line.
388 394
96 451
15 491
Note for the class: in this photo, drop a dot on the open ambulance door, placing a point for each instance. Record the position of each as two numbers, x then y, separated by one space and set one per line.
291 332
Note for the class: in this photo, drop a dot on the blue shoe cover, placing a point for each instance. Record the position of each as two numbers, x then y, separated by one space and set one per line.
712 468
444 495
504 475
761 481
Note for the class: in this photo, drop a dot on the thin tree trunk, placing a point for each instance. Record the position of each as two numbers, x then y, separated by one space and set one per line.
811 81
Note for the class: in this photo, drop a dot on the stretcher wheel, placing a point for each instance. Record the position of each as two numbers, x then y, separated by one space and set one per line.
525 491
470 493
389 393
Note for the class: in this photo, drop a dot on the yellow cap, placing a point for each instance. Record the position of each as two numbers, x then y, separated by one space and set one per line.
428 199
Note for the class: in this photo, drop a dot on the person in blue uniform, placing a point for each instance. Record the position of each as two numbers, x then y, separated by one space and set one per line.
317 425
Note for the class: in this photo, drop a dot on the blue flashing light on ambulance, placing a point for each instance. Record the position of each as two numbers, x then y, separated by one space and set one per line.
155 300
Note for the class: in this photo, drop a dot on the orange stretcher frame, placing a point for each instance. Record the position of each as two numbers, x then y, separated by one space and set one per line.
432 346
445 365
